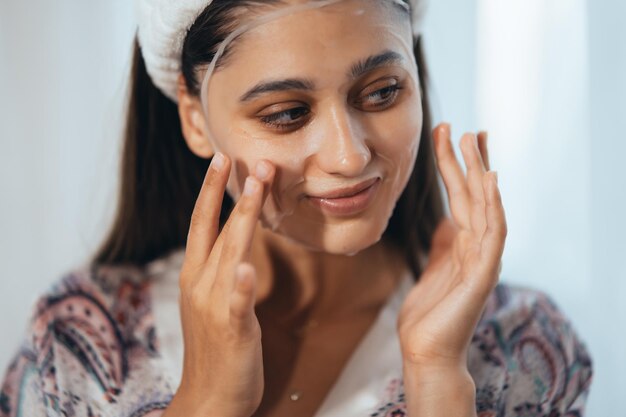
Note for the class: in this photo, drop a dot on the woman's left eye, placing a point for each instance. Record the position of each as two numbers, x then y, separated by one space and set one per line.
286 119
380 98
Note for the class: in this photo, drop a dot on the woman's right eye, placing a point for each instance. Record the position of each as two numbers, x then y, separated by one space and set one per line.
285 119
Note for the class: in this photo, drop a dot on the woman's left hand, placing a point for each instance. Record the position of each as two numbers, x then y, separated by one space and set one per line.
440 313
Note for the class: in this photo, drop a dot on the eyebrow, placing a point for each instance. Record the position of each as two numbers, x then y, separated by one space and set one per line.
387 57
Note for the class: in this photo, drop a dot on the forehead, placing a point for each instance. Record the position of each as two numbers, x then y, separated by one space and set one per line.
321 40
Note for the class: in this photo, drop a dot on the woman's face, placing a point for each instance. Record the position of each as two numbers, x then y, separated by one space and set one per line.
331 97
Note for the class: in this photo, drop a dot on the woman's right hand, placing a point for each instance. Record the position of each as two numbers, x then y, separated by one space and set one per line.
223 362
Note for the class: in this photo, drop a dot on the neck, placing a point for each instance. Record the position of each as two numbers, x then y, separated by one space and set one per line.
294 280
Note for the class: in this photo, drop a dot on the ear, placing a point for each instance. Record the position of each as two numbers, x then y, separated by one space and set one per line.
192 121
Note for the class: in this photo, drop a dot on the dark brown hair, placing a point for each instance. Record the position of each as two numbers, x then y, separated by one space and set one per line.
161 177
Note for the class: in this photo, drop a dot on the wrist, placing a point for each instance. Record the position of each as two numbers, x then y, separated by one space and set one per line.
179 407
440 391
184 406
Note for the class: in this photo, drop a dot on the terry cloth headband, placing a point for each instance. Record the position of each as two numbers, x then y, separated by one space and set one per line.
163 25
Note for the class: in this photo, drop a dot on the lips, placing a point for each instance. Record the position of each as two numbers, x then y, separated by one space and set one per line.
346 191
350 201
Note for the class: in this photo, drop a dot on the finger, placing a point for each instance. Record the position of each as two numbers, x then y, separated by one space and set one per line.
236 241
265 172
444 234
238 238
204 223
482 145
492 245
242 299
475 173
452 175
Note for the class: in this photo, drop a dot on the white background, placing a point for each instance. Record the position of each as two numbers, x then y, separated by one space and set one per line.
546 79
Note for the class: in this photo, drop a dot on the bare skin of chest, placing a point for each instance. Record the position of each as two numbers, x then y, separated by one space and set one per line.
309 363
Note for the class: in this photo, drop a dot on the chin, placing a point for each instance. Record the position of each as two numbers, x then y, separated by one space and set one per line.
338 239
352 242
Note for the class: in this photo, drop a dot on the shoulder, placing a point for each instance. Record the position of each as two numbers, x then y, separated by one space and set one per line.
88 335
526 356
100 303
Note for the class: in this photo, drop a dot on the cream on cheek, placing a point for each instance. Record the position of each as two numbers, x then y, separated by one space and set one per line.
289 161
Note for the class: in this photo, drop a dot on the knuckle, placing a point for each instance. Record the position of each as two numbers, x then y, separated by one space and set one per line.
457 192
198 300
229 337
245 205
499 230
255 330
446 155
505 230
187 275
238 312
184 283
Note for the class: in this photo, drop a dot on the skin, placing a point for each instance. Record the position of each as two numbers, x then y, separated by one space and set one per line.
440 313
344 138
353 136
227 275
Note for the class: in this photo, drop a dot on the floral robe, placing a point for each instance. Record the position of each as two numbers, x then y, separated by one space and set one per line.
106 341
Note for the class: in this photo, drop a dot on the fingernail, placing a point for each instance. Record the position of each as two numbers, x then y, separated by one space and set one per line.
250 186
262 170
217 162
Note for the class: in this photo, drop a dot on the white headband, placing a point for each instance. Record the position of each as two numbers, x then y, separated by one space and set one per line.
163 25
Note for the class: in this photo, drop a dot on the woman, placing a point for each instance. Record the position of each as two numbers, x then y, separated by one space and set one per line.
334 285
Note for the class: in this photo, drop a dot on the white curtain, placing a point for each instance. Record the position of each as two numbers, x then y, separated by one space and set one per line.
547 79
63 68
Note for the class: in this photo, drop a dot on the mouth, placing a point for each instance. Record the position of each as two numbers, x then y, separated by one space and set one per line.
347 201
346 191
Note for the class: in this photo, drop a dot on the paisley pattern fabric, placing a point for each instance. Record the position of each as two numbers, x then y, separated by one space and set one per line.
91 349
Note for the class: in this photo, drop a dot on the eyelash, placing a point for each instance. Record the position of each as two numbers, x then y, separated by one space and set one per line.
270 120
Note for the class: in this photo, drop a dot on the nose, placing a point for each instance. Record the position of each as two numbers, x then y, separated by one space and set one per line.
345 150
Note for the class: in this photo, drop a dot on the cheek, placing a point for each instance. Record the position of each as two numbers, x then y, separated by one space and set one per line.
245 153
231 137
400 138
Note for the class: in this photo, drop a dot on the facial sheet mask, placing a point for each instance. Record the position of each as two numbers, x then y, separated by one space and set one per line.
290 152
